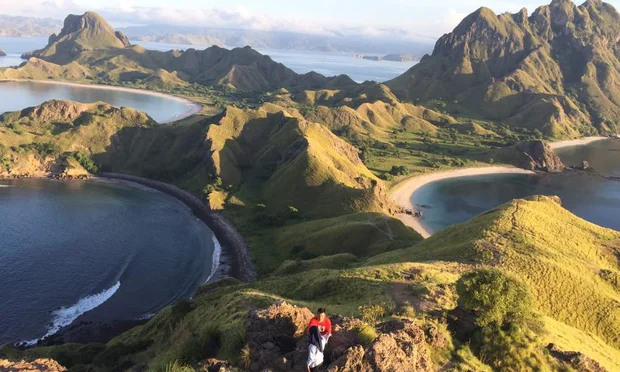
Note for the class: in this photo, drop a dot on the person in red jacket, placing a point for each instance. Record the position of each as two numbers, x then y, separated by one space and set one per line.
319 330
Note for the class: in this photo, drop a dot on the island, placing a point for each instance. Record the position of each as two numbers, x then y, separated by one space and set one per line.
388 57
306 169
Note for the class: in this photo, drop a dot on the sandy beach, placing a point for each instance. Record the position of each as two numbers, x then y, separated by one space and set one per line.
403 191
575 142
192 107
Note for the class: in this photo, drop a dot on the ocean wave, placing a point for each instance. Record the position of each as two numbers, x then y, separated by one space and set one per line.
66 315
217 250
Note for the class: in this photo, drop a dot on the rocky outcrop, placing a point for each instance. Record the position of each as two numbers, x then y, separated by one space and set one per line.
553 71
400 347
575 360
276 337
38 365
533 155
277 341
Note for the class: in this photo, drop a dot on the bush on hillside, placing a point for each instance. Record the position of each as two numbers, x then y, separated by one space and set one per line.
399 170
502 305
494 297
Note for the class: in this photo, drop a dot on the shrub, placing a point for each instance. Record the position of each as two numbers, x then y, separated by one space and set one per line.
366 334
495 297
371 314
399 170
44 150
85 162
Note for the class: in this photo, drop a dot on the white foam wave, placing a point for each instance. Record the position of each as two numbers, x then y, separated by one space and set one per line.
66 315
217 250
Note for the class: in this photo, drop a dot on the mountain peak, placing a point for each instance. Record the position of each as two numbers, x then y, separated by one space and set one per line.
88 31
481 18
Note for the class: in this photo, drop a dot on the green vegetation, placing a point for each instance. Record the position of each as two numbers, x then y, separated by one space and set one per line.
495 298
297 163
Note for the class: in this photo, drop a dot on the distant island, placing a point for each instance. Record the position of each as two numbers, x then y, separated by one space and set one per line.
16 26
2 53
389 57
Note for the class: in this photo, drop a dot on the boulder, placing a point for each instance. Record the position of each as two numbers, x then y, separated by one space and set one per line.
276 337
277 340
38 365
575 360
403 348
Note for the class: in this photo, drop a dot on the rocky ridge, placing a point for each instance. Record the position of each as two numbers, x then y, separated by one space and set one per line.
553 70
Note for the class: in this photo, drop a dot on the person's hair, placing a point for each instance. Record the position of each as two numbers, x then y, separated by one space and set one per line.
321 310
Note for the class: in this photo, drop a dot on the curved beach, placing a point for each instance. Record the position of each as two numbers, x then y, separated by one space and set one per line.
403 193
192 107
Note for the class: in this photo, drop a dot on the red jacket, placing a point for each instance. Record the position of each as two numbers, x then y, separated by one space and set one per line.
325 323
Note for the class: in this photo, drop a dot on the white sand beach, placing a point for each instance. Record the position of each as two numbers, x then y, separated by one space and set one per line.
403 192
575 142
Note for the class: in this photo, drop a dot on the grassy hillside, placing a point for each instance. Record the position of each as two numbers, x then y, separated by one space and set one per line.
564 262
570 265
272 172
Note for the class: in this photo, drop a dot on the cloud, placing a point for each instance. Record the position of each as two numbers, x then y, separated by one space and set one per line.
236 17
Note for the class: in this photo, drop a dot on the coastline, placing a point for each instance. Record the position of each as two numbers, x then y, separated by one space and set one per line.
235 254
192 107
233 261
403 192
575 142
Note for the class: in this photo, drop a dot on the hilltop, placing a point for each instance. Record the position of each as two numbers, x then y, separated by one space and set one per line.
553 70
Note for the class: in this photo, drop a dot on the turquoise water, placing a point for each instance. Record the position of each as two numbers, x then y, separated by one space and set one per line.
591 197
96 251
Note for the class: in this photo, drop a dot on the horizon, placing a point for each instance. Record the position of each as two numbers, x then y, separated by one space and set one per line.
421 22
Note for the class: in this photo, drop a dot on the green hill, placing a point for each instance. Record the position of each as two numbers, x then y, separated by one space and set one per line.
269 170
571 267
554 70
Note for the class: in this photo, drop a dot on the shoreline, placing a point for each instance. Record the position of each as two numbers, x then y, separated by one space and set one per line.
575 142
235 253
192 107
403 192
233 261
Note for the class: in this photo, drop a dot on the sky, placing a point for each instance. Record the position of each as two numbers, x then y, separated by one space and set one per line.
407 18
